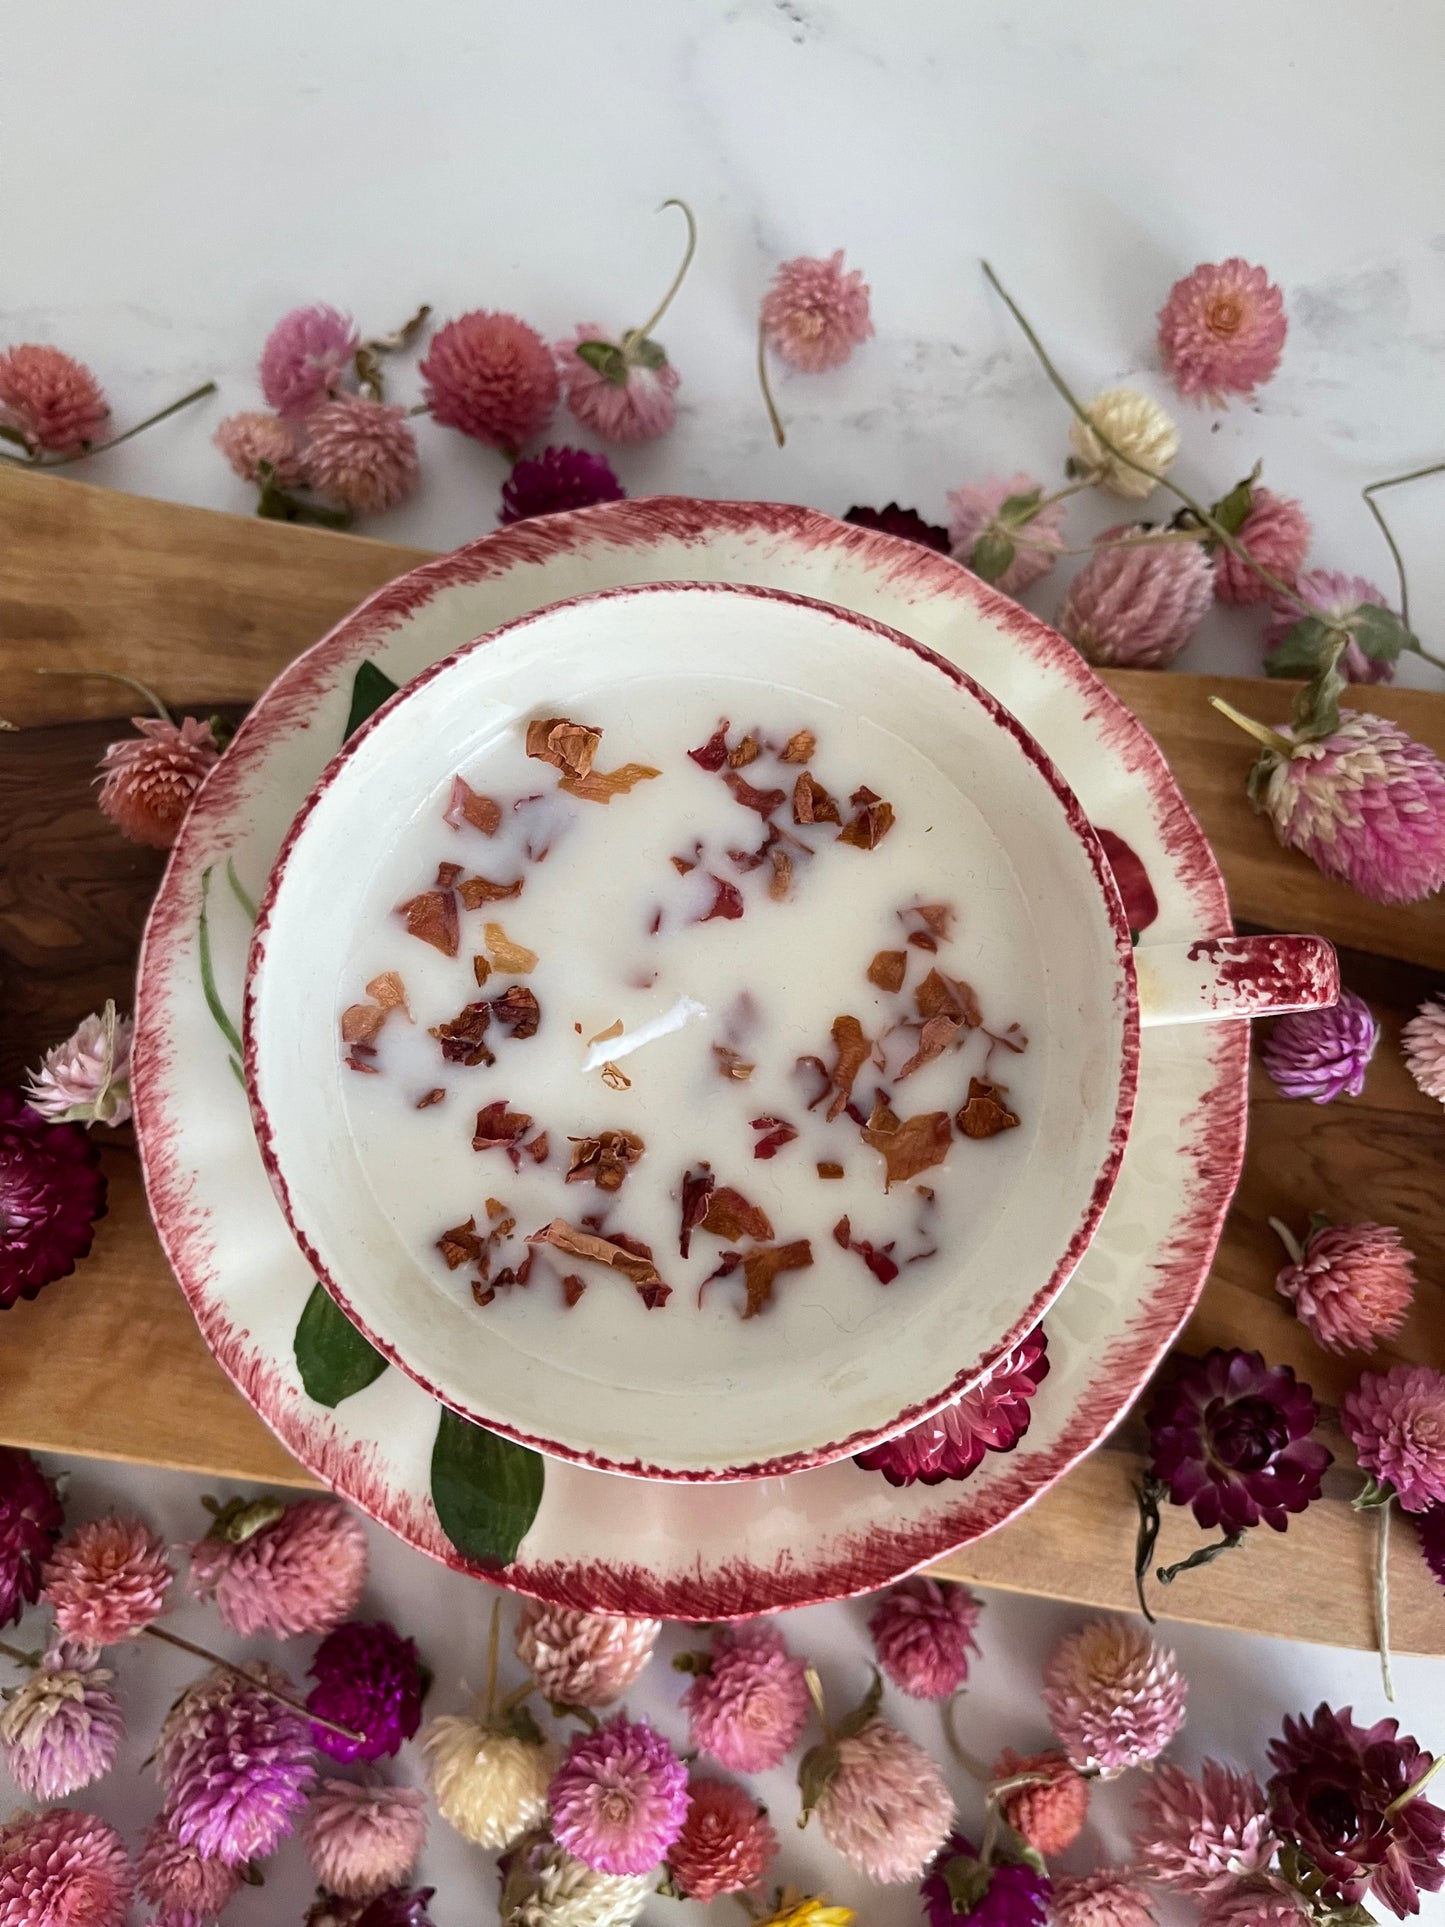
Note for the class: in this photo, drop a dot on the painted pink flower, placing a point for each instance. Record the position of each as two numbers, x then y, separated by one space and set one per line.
363 452
1336 597
108 1581
51 1192
149 781
1276 533
619 1798
1049 1813
1261 1901
886 1809
86 1080
1423 1044
1200 1836
63 1869
253 440
31 1518
1396 1422
493 378
815 312
1351 1285
303 1573
996 532
1322 1054
633 402
1108 1898
62 1725
1222 330
363 1839
305 358
1138 599
186 1890
582 1659
751 1703
993 1417
726 1845
238 1775
923 1634
556 479
50 400
1115 1698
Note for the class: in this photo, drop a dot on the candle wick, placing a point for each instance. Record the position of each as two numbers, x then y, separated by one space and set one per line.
609 1049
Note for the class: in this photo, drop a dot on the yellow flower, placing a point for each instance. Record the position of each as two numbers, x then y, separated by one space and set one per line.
1137 427
799 1910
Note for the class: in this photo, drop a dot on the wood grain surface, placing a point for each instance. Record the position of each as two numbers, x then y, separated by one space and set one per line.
206 608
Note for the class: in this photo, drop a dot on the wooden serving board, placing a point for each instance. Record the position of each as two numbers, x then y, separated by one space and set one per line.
207 608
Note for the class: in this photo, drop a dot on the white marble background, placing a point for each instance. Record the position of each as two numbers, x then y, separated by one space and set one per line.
173 177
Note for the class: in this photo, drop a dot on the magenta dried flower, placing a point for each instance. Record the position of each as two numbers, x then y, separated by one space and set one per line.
1322 1054
305 358
1396 1422
1138 599
750 1703
893 520
1262 1900
959 1891
1230 1437
108 1581
362 1840
556 479
63 1725
1423 1044
1276 534
300 1572
992 1417
186 1890
62 1868
1338 598
1350 1284
31 1519
50 400
149 781
254 443
1200 1836
1006 532
51 1192
492 377
619 1798
367 1678
923 1633
239 1776
579 1658
86 1080
397 1909
1115 1698
1430 1528
1222 330
1108 1898
363 452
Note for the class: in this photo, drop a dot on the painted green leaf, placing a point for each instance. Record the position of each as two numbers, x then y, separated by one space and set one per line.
369 690
332 1356
486 1489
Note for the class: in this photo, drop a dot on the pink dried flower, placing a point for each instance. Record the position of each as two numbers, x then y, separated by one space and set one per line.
63 1725
253 439
363 1839
635 403
993 1417
183 1722
238 1773
63 1869
186 1890
31 1519
1222 330
492 377
1200 1836
1115 1698
886 1807
556 479
1262 1901
815 313
1108 1898
305 357
363 452
582 1659
749 1706
1336 597
619 1798
53 402
1138 599
148 782
1396 1422
1423 1043
107 1581
1276 532
1025 539
1351 1284
1049 1813
726 1845
1320 1054
923 1634
302 1573
86 1080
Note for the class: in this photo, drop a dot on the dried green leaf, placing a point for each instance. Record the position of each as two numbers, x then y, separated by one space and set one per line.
820 1765
1304 651
1380 633
993 552
866 1710
1232 511
606 359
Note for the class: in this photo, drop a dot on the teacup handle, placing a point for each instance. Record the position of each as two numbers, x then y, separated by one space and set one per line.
1220 977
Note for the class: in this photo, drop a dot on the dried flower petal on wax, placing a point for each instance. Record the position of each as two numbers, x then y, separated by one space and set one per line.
731 1063
514 958
853 1049
799 747
567 746
518 1011
712 754
984 1114
461 1245
934 1038
776 1133
478 890
727 902
467 805
600 786
908 1146
888 969
812 803
497 1127
871 821
760 1266
696 1189
942 995
730 1216
751 798
432 916
634 1264
462 1037
604 1160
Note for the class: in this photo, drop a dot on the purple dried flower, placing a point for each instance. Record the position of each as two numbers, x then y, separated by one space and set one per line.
557 479
960 1892
398 1909
1430 1525
368 1678
619 1798
992 1417
893 520
31 1519
239 1776
1322 1054
51 1192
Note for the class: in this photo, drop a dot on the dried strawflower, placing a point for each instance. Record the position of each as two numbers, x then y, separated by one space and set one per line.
1138 599
545 1886
306 355
1337 1793
492 377
1006 531
750 1702
238 1775
1423 1044
50 401
186 1890
582 1659
63 1725
395 1909
149 781
1276 534
261 447
1199 1836
963 1891
490 1782
1350 1284
1338 598
63 1869
1115 1698
1048 1811
1260 1901
893 520
31 1519
815 312
368 1678
923 1634
107 1581
1322 1054
1230 1437
793 1909
1396 1422
301 1572
1138 428
363 452
1108 1898
619 1798
86 1080
726 1845
992 1417
637 408
1222 330
363 1839
556 479
879 1798
54 1190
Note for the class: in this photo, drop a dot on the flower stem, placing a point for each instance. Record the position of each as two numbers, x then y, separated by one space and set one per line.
1059 495
641 334
1382 1597
1269 738
1414 1791
956 1747
81 454
113 675
259 1685
780 434
14 1652
1369 493
1287 1238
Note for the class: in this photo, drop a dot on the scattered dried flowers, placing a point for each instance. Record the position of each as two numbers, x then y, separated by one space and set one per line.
1423 1042
1222 330
283 1569
261 447
619 1798
1276 535
1200 1836
362 452
489 1781
107 1581
923 1632
1396 1422
237 1775
306 357
63 1725
493 378
555 479
624 389
993 1417
1007 532
367 1678
361 1840
582 1659
1322 1054
749 1700
1114 1697
965 1889
1108 1898
726 1845
893 520
63 1869
1123 442
1047 1802
54 1191
86 1080
879 1798
148 781
1351 1284
31 1520
814 314
1138 600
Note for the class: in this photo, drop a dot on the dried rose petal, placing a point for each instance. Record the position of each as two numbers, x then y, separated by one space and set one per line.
732 1064
812 803
763 801
515 958
933 1040
389 991
615 1078
908 1147
428 1098
358 1059
728 902
938 995
782 878
475 891
778 1132
460 1245
461 1036
614 1029
746 752
852 1048
714 752
499 1128
888 969
361 1023
481 970
566 745
984 1114
729 1215
697 1188
632 1258
760 1267
799 747
600 786
928 924
467 805
518 1011
827 1169
538 1148
432 916
572 1289
605 1159
871 821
